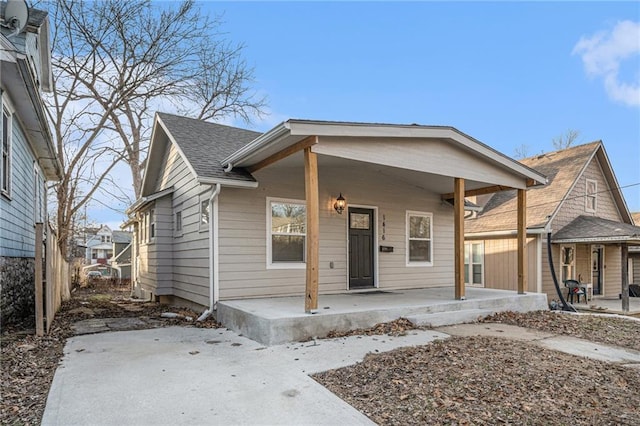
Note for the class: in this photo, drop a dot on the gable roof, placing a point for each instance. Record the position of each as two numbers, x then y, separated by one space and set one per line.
562 168
202 146
121 237
292 131
596 229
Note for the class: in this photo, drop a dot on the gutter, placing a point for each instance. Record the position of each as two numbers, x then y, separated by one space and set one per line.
509 233
261 142
214 278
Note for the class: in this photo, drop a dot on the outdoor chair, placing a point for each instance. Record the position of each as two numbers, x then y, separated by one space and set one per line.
574 288
634 290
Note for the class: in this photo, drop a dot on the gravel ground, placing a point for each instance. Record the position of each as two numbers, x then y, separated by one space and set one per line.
455 381
487 381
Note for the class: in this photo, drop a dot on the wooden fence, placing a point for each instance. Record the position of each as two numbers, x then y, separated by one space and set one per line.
52 283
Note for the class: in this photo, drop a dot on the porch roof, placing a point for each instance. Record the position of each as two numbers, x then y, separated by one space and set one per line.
424 149
589 229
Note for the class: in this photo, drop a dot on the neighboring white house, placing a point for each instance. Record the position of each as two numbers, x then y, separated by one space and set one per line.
309 207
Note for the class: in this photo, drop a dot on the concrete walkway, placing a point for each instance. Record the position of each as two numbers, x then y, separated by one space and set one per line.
566 344
181 375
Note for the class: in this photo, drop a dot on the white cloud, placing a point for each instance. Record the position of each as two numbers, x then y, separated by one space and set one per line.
602 54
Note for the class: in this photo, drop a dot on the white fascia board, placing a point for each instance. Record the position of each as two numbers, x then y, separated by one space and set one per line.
143 201
632 239
257 145
228 182
506 233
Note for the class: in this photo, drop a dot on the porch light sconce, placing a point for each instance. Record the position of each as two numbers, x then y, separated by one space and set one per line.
340 204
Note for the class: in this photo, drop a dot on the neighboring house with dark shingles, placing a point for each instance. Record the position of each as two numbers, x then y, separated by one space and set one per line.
27 159
582 207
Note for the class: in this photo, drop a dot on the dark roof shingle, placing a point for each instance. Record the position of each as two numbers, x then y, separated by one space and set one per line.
591 227
562 168
206 144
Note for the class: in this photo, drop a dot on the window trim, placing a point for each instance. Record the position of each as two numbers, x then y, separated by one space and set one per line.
284 265
177 220
202 226
471 263
588 196
152 225
408 215
572 265
7 112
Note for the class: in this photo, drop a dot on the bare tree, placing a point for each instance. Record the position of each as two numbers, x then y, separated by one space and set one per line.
115 62
521 151
565 140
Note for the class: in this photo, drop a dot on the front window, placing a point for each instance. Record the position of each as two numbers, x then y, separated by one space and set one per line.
287 222
591 196
474 264
152 225
567 262
419 239
179 222
204 215
5 178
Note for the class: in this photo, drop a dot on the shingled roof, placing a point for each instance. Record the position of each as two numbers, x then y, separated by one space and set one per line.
36 17
562 168
596 229
205 144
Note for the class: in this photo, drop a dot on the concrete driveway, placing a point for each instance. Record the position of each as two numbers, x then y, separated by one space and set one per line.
205 376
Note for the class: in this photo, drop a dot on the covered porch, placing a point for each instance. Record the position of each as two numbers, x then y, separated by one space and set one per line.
277 320
440 164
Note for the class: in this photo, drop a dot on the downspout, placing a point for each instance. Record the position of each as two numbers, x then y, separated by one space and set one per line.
213 253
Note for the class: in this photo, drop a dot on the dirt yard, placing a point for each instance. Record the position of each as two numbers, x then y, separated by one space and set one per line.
454 381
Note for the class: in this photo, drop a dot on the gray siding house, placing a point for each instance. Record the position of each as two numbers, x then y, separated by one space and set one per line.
28 158
583 209
309 207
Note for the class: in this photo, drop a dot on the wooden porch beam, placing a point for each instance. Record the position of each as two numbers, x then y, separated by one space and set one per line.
313 229
298 146
522 241
479 191
458 223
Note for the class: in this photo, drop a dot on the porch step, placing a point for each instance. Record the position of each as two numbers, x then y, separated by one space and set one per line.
449 317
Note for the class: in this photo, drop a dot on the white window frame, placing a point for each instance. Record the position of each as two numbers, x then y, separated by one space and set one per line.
469 245
152 225
591 196
7 112
204 226
408 238
178 224
571 266
285 265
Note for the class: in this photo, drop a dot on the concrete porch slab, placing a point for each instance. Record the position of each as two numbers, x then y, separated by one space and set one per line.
608 305
277 320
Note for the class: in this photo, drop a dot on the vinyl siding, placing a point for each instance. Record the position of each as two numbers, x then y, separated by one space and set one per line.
243 233
501 264
574 204
26 204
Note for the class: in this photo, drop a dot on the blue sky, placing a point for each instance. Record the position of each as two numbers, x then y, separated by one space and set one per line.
506 73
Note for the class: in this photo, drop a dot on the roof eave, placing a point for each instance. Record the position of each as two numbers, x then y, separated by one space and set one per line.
272 137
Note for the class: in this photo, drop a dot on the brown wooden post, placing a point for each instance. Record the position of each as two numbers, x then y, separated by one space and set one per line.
458 246
313 228
522 241
624 254
38 282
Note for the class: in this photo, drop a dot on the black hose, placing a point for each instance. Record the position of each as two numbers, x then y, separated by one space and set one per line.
565 305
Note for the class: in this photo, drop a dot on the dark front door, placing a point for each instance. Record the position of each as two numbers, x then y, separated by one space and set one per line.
361 250
596 269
